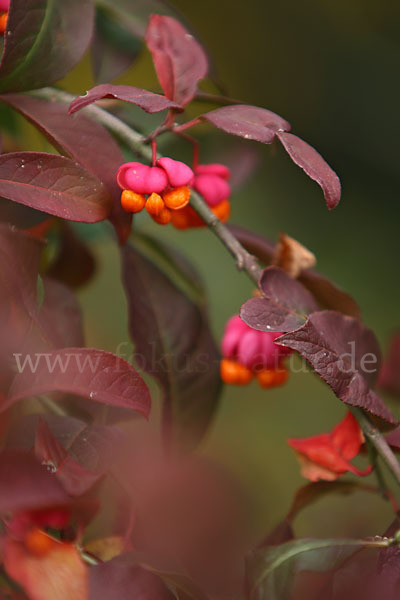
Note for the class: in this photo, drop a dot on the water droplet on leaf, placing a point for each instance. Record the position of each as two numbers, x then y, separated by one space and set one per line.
50 466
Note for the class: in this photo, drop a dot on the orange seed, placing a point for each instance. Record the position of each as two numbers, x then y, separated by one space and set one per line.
164 217
234 373
38 542
155 205
269 378
177 198
3 22
222 210
132 202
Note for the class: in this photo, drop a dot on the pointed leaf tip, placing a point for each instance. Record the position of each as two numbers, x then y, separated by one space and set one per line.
179 59
39 49
248 122
284 305
148 101
93 374
345 354
312 163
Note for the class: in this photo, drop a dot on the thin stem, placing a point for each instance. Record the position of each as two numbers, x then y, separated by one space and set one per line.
52 406
244 260
215 98
129 136
377 439
187 125
154 152
373 459
195 145
89 559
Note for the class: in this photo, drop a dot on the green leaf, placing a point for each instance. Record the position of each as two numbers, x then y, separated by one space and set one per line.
43 41
114 48
271 570
136 14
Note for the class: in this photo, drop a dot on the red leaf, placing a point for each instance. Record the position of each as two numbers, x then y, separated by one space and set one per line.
151 103
284 305
249 122
82 139
312 163
59 574
40 48
179 59
53 184
345 354
326 456
26 485
93 374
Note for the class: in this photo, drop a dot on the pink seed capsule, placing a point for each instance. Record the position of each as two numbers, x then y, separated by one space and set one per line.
177 172
141 179
213 169
213 188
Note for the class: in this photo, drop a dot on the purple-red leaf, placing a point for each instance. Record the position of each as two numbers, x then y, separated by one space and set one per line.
243 160
53 184
88 373
312 163
173 341
119 579
393 438
179 60
60 316
95 447
148 101
314 491
19 264
44 40
389 377
326 293
272 571
74 477
249 122
284 305
25 484
74 264
83 140
345 354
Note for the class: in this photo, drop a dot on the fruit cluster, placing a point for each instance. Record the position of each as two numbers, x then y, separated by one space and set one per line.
4 8
249 353
164 190
210 181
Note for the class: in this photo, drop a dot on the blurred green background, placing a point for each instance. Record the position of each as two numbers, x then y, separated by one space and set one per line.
332 69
